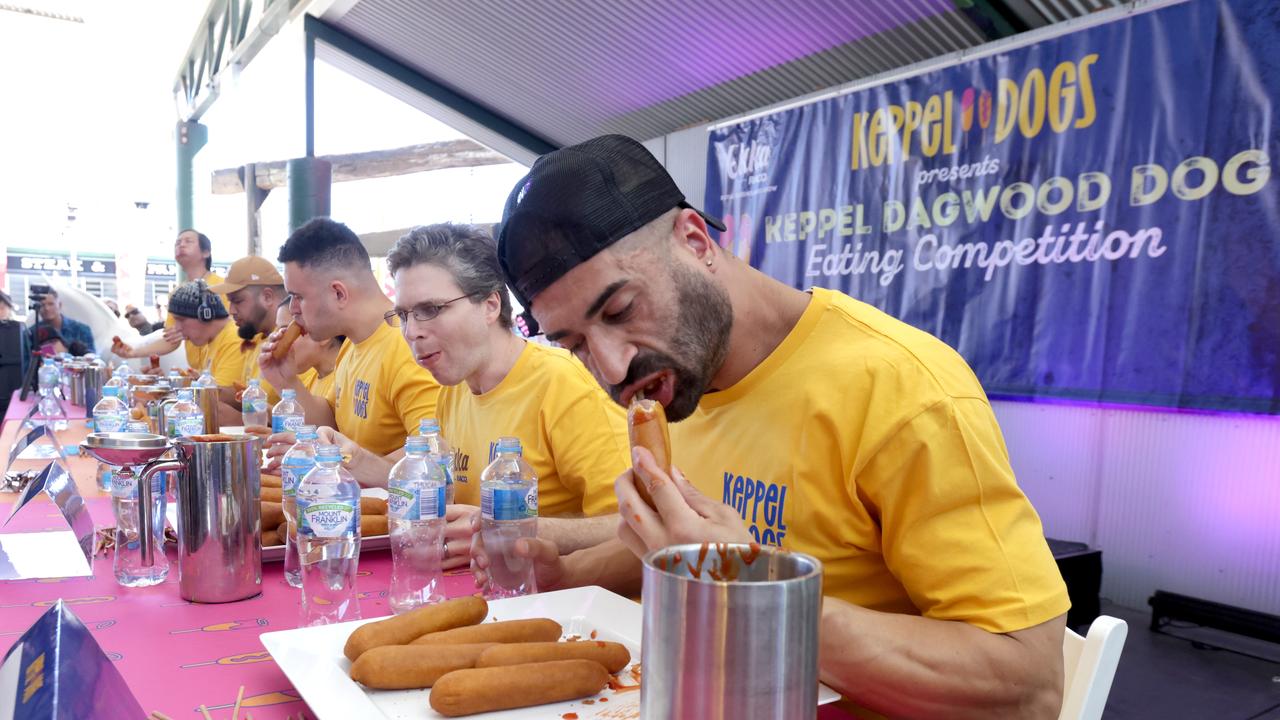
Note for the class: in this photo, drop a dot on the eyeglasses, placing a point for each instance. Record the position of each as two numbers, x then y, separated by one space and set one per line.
422 313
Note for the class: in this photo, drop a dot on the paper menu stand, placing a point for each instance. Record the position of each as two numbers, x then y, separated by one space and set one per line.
61 553
57 671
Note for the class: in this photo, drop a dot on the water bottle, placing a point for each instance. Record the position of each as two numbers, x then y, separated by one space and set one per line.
253 405
110 415
127 562
48 377
508 512
186 416
287 415
415 503
294 466
206 379
440 450
119 379
329 540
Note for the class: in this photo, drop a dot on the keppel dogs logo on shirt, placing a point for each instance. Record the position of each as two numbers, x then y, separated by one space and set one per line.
361 407
762 504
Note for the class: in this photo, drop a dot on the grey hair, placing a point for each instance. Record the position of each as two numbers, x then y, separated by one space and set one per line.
469 254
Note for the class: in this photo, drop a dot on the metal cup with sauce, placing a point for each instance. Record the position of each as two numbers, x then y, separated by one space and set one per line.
730 633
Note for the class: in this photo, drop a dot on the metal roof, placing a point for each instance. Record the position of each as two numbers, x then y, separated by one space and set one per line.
567 70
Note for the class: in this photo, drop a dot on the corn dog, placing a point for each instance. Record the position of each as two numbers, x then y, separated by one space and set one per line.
272 515
373 506
507 631
272 481
405 667
286 340
647 428
371 525
270 538
613 656
271 494
466 692
401 629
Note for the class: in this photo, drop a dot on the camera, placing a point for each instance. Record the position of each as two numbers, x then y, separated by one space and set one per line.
36 294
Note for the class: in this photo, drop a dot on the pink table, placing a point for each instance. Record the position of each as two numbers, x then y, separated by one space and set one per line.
175 655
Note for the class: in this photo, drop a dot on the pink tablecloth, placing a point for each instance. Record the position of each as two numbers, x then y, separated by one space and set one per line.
19 408
176 655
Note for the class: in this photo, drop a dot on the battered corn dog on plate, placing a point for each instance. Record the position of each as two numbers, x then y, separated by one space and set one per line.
316 659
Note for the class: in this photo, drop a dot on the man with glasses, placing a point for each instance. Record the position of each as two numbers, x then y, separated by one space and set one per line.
454 311
379 393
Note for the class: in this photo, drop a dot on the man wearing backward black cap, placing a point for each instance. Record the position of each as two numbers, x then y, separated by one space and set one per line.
205 323
805 420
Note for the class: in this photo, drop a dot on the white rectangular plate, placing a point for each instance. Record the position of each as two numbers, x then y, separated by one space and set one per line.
313 661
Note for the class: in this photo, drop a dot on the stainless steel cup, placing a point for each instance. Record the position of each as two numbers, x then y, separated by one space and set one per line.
219 518
730 633
94 378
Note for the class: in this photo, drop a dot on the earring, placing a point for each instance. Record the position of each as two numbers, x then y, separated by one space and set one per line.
708 263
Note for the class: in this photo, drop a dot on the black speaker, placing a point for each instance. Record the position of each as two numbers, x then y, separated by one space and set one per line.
1081 568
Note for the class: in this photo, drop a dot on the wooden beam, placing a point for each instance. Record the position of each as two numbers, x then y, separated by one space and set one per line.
373 164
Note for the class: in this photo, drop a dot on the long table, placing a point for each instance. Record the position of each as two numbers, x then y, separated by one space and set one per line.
177 655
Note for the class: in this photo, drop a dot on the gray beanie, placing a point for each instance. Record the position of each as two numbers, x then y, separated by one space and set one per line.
188 299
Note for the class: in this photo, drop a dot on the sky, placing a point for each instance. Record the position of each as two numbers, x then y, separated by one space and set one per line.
88 121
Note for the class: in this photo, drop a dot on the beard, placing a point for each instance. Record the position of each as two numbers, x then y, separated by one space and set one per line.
698 347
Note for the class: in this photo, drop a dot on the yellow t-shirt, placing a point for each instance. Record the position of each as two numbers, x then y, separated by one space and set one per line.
197 355
226 355
323 386
380 393
871 445
572 434
252 369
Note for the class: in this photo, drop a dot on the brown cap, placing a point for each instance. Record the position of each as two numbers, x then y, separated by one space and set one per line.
246 271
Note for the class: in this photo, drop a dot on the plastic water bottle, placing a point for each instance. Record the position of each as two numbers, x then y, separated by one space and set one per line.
253 405
294 466
441 452
186 416
127 562
287 415
119 379
110 415
329 540
508 512
206 379
48 377
415 503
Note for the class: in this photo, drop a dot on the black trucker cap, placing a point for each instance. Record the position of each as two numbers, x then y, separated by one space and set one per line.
575 202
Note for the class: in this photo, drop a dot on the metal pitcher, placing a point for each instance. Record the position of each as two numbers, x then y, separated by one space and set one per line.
730 633
219 550
93 377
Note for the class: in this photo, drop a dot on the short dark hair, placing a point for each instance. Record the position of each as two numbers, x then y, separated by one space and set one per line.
466 251
205 245
327 243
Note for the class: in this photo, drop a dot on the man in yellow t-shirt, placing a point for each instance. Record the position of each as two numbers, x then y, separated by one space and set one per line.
804 420
379 392
192 251
204 322
455 314
254 291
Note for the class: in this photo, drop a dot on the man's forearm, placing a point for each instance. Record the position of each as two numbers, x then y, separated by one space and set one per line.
573 534
909 666
158 346
610 565
315 408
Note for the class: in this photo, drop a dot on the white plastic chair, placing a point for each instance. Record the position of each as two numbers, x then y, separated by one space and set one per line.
1090 663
